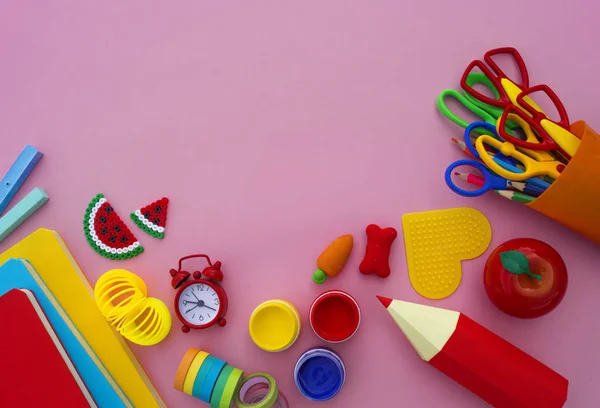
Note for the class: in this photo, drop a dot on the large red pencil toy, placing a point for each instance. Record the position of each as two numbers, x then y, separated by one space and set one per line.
479 360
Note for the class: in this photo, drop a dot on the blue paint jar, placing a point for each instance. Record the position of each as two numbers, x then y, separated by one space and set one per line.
319 374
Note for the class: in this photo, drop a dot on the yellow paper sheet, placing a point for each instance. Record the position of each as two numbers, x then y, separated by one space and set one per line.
50 257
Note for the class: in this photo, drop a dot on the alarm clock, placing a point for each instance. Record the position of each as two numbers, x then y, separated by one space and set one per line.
200 302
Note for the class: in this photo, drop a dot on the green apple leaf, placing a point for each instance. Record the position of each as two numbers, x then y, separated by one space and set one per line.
516 262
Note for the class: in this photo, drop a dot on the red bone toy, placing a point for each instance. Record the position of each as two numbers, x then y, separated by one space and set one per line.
379 242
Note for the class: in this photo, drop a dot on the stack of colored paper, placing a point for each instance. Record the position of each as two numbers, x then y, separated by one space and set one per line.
72 345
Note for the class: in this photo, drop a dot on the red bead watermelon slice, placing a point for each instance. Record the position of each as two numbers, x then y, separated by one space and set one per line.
107 233
152 219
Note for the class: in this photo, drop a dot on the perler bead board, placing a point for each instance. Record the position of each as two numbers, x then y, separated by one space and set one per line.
152 219
437 241
107 233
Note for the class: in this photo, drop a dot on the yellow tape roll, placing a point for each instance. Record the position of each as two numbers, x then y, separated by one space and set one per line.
188 383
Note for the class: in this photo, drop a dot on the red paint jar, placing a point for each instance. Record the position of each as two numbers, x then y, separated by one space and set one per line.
334 316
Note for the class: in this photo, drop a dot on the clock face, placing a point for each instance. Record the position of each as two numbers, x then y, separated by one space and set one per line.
199 304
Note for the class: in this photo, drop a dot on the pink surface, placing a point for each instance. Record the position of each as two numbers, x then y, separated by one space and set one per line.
273 128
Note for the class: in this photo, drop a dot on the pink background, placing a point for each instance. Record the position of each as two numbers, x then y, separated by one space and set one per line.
273 128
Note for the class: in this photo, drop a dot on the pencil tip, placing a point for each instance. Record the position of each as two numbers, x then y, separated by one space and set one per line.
384 301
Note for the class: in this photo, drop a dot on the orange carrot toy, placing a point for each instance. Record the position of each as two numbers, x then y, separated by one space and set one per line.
333 259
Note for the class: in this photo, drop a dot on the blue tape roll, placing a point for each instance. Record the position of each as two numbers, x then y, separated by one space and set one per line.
201 377
211 379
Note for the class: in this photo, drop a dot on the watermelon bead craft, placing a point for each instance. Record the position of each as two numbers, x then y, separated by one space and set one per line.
152 219
106 233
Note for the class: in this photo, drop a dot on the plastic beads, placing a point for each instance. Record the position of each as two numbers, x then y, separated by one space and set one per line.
152 218
122 299
106 233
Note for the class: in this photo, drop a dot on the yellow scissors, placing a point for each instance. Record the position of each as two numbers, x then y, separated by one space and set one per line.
532 167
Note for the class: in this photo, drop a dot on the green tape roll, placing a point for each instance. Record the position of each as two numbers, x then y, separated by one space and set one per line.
258 378
220 386
235 378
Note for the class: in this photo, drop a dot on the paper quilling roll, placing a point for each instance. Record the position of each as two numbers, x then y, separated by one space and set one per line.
574 198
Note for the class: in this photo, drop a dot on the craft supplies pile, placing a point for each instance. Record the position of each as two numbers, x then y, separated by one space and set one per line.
517 150
523 147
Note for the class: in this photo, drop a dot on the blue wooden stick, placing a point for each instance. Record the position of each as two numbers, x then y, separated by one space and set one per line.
21 211
14 179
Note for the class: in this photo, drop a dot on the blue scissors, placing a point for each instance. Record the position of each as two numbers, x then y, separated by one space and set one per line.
490 180
507 163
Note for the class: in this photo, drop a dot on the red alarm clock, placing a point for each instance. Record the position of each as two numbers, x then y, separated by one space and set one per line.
201 301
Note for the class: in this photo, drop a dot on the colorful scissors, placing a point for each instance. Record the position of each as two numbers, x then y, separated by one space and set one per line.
490 180
532 167
508 89
554 135
505 162
514 97
487 113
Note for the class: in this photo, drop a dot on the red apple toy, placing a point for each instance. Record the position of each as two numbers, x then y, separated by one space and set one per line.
525 278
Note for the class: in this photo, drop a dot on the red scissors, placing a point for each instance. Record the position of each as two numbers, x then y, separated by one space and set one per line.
514 98
508 88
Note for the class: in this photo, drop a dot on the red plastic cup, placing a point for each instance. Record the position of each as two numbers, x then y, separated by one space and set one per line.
334 316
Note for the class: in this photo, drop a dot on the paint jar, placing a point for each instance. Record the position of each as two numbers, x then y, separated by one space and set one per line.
275 325
260 391
334 316
319 374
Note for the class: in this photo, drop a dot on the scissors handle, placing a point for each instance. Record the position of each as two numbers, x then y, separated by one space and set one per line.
500 100
532 167
512 52
559 131
474 78
524 99
479 128
490 181
508 88
532 142
444 110
530 137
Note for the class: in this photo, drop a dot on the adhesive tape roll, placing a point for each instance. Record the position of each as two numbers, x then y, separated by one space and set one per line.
211 379
217 392
231 387
183 368
192 372
244 397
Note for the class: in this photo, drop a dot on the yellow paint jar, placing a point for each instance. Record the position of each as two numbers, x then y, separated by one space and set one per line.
275 325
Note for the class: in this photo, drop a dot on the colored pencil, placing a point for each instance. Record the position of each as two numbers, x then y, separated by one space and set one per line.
526 188
481 361
462 146
515 196
470 178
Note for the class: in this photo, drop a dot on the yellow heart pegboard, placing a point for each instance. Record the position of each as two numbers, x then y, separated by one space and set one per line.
437 241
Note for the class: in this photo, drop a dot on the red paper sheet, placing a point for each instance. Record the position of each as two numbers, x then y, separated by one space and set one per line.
35 370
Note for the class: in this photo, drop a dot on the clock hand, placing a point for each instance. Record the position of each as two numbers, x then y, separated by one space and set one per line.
187 311
202 304
195 296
